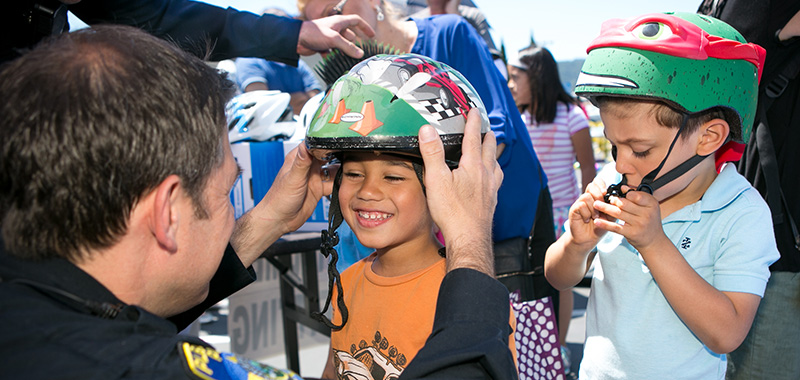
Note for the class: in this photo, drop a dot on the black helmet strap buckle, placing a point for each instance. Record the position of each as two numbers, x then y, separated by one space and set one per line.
650 183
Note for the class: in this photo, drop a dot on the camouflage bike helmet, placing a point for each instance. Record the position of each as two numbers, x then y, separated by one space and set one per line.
380 106
691 62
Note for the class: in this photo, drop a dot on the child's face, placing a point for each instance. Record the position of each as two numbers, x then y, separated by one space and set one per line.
519 86
382 201
642 143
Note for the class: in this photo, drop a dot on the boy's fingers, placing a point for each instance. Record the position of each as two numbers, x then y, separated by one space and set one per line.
598 183
608 209
587 199
583 212
610 226
595 190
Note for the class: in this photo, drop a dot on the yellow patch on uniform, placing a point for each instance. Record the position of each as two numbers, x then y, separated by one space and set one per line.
206 363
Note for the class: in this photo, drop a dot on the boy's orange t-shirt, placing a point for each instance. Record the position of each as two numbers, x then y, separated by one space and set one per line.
390 318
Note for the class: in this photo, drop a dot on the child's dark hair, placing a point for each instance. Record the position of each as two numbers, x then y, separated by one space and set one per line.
544 84
667 115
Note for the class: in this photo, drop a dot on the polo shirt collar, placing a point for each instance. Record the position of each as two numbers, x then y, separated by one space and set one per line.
725 189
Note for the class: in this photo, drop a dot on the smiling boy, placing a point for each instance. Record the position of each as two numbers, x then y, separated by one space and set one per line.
678 280
369 121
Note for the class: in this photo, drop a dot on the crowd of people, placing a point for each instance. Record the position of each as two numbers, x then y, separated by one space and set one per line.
118 231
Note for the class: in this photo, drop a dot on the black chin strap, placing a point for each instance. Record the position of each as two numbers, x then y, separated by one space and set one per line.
650 183
329 240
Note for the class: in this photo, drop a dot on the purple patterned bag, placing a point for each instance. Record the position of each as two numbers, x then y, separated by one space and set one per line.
536 337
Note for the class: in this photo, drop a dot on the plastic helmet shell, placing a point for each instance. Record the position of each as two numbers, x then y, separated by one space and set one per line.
260 116
384 100
674 62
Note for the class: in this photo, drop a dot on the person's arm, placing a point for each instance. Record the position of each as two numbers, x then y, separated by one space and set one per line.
256 86
470 331
462 201
584 153
582 144
470 328
228 33
568 259
791 29
329 372
298 99
289 202
719 319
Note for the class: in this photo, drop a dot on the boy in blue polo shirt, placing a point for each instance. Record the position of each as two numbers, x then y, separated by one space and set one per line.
678 280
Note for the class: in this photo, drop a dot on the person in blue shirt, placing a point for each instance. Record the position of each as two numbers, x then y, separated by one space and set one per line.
683 248
254 74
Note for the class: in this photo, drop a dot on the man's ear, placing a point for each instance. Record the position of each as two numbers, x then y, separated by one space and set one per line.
165 213
712 135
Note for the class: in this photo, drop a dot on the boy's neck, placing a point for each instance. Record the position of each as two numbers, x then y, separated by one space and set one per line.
402 260
692 192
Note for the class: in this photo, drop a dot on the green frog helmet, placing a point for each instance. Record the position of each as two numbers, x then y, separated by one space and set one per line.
691 61
384 100
379 106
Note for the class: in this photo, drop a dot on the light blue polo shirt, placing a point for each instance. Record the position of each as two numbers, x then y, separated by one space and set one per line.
631 330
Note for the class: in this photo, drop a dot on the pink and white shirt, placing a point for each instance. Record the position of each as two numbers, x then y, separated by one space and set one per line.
553 145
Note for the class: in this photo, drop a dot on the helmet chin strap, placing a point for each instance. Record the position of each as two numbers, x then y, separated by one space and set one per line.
650 183
330 238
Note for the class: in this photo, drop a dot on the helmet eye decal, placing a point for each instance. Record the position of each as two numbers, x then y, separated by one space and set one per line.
684 39
585 79
652 31
689 61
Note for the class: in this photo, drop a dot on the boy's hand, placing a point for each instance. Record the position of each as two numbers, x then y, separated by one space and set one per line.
641 215
583 213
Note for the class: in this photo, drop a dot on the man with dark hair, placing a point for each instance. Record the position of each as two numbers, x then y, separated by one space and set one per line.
116 174
115 212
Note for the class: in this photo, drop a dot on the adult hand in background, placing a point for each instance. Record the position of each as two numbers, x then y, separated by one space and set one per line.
333 32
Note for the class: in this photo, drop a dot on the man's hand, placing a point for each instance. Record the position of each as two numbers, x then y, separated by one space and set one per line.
462 201
333 32
289 202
